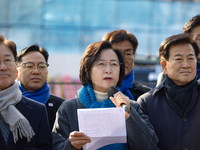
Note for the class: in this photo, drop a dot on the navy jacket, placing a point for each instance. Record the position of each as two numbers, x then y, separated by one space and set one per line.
175 130
36 114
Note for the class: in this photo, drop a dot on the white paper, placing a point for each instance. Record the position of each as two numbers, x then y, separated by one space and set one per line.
103 125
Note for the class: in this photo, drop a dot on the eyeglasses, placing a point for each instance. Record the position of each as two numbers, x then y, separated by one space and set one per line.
8 62
128 55
197 38
31 66
102 64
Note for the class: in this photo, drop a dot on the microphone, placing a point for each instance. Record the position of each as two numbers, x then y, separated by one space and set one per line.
111 92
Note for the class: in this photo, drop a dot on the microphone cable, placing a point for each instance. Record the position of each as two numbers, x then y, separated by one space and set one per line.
111 92
127 110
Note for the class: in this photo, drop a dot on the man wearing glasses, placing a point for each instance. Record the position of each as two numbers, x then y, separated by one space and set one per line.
23 122
192 26
32 63
127 43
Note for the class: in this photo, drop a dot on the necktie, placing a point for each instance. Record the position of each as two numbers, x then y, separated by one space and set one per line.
4 129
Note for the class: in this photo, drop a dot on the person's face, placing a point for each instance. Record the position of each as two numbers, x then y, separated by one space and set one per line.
126 46
32 79
196 33
7 72
181 66
105 71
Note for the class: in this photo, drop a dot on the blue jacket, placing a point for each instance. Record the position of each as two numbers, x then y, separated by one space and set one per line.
36 114
175 130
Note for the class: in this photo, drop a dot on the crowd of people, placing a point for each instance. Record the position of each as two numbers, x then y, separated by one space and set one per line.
165 117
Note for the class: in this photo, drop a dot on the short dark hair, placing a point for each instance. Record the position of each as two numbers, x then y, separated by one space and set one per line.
10 44
190 24
117 36
32 48
91 54
178 39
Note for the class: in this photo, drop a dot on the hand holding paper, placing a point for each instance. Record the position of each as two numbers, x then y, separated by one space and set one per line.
103 125
78 139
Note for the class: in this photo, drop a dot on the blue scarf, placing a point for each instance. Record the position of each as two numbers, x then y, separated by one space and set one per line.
42 95
88 99
128 83
198 71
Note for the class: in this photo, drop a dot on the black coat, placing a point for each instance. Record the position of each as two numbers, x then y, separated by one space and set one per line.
67 121
52 106
138 89
36 114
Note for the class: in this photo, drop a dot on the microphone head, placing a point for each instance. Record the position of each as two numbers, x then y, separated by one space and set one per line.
112 91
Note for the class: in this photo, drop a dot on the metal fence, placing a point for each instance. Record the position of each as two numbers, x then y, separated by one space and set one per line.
67 90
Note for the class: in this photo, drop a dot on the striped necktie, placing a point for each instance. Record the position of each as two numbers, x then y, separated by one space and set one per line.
4 129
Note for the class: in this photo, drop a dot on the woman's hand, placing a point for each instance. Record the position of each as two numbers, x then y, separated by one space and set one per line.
120 98
78 139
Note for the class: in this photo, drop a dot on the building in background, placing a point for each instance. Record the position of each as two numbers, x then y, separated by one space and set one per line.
66 27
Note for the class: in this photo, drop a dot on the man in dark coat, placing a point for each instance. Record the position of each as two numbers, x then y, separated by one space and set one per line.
23 122
32 63
192 26
173 106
